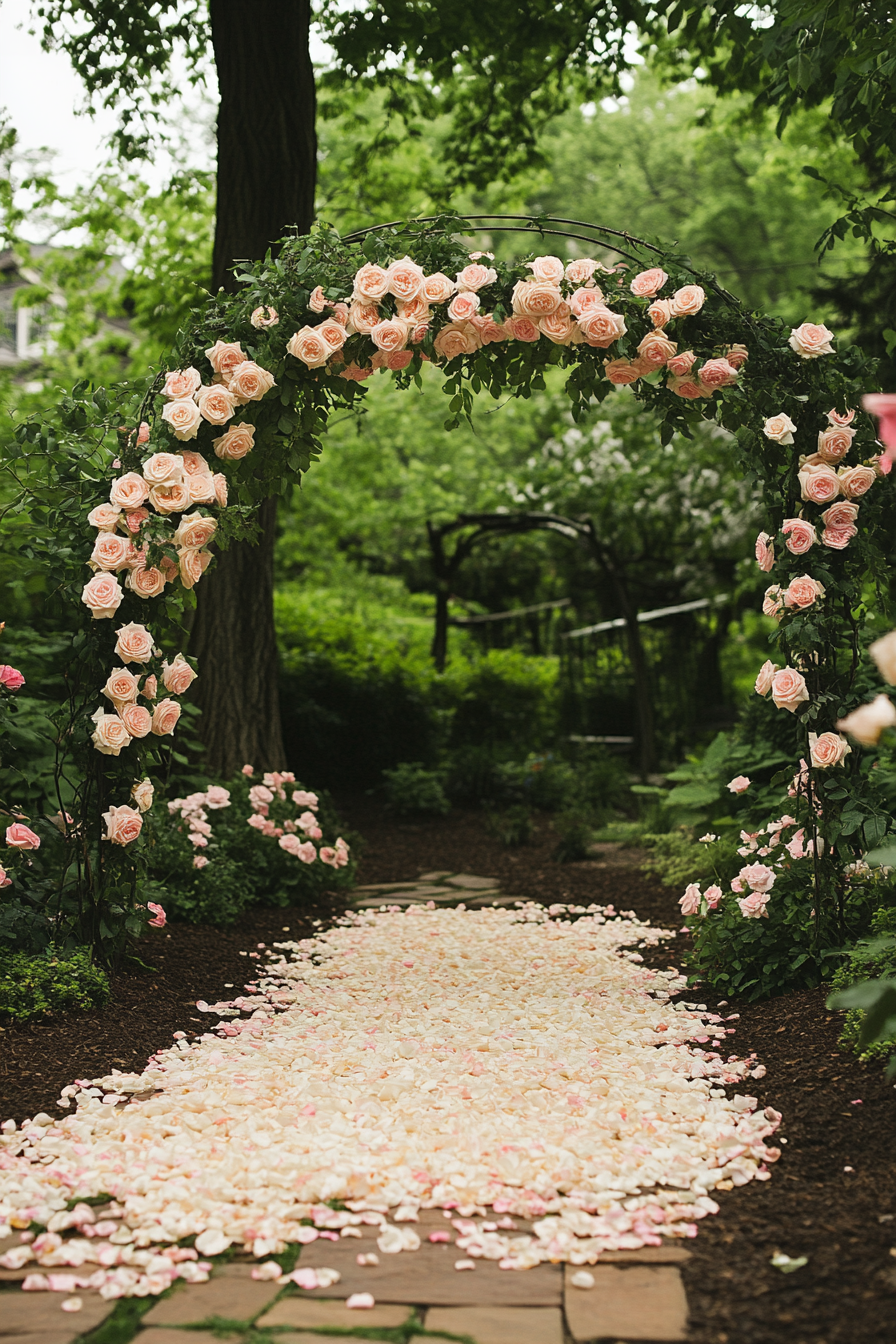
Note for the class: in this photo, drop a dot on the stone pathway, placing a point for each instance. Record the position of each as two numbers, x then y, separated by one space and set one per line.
440 888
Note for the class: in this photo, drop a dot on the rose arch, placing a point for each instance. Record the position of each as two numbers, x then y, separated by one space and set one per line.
242 408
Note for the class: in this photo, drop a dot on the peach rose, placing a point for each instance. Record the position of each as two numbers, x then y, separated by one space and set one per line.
264 317
177 677
883 651
224 356
547 270
680 365
181 383
128 491
404 279
250 382
867 722
687 301
621 372
582 301
827 750
170 498
819 484
475 277
142 794
580 271
414 311
354 373
133 520
183 417
105 517
216 404
800 535
318 300
854 481
838 538
463 306
390 335
110 551
656 349
489 330
841 418
220 489
165 717
809 341
647 284
834 443
766 677
193 564
737 355
789 689
398 360
102 596
110 736
145 582
123 825
601 328
201 488
841 514
235 443
717 373
454 340
310 347
193 464
195 530
803 592
340 313
779 428
753 906
163 469
765 552
362 317
535 298
559 327
522 329
136 719
134 644
689 387
660 312
437 288
773 602
150 687
121 686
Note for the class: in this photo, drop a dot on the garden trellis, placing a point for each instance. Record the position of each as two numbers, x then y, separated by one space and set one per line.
252 382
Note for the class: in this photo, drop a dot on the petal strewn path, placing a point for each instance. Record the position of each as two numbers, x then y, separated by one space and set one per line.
515 1060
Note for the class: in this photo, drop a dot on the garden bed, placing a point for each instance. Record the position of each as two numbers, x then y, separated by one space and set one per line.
811 1206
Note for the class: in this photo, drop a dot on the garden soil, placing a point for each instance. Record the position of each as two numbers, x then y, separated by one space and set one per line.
832 1196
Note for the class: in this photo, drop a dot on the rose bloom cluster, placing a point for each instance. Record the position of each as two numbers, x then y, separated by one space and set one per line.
129 685
238 380
752 887
193 811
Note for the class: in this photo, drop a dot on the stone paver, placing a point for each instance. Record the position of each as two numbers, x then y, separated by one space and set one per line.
45 1336
433 877
470 883
169 1335
33 1314
641 1302
498 1325
288 1338
231 1294
307 1313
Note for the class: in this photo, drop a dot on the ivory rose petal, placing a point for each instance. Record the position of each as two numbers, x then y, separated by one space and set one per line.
110 736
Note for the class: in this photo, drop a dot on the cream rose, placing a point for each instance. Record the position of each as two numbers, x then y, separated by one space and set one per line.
660 312
841 418
390 335
165 717
193 464
819 484
136 719
250 382
647 284
310 347
559 327
102 596
789 689
621 372
867 722
548 270
105 517
178 677
172 498
717 373
737 355
766 677
163 469
475 277
841 514
362 318
803 592
601 328
687 301
142 794
224 356
220 489
123 825
195 530
688 387
773 602
834 443
800 535
216 404
656 349
128 491
121 686
463 306
110 551
437 288
405 279
583 300
534 298
145 582
333 333
764 551
235 443
779 428
580 271
181 383
264 317
680 365
827 750
201 488
110 736
455 340
192 564
855 481
318 300
134 643
489 330
809 341
183 417
371 283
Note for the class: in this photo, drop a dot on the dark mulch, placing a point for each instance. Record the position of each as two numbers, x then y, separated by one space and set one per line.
811 1206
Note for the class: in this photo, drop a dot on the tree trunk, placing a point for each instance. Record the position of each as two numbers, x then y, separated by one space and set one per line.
267 164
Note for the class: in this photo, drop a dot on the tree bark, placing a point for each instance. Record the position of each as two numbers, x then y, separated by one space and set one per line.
267 165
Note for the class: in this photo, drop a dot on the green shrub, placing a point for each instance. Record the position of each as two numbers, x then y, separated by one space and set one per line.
576 833
512 826
678 858
412 790
49 983
871 959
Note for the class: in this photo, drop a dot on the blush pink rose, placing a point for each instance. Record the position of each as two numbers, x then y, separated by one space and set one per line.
164 717
680 365
105 517
476 276
559 327
809 341
134 519
739 784
621 372
224 356
580 271
765 552
159 918
753 906
601 328
803 592
689 387
773 602
220 483
136 719
855 481
758 877
399 359
317 301
834 443
195 530
766 677
827 750
178 677
414 311
123 825
371 283
303 798
712 896
535 298
201 489
453 341
737 356
216 403
779 428
405 279
522 329
121 686
102 596
717 373
463 306
390 335
583 300
690 901
291 843
163 469
109 736
192 564
310 347
437 288
687 301
647 284
10 677
264 317
235 442
170 498
362 317
354 373
841 418
867 722
883 651
181 383
841 514
128 491
488 329
134 643
800 535
656 349
547 270
150 688
789 689
250 382
183 417
660 312
110 551
819 484
20 836
333 332
193 464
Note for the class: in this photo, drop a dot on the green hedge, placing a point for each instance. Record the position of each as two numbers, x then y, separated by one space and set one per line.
50 983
